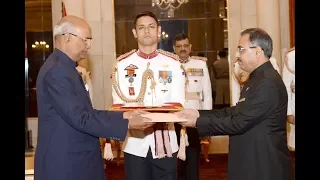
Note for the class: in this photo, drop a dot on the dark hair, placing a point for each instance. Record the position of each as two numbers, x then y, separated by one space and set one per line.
180 37
222 53
259 37
145 13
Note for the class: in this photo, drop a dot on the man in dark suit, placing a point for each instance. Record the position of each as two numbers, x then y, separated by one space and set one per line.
69 128
257 124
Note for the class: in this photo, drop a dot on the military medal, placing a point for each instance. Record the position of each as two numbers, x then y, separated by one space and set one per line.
131 73
131 80
165 77
131 91
195 71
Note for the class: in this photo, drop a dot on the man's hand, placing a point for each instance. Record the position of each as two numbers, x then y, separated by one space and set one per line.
191 115
136 121
290 119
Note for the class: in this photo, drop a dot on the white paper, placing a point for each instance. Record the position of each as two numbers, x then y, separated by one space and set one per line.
163 117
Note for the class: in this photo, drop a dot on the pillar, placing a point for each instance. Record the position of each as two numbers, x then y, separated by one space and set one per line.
268 18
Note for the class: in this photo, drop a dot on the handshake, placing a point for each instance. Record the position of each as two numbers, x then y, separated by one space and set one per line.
141 120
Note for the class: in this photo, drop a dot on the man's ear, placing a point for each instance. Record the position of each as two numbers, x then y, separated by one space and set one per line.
259 51
134 32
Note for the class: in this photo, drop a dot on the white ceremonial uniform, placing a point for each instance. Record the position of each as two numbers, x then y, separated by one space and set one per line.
170 84
198 84
288 76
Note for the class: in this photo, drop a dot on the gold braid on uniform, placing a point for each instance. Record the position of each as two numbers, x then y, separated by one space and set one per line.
147 74
161 133
200 58
167 53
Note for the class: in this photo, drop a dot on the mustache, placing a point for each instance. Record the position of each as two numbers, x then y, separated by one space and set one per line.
183 51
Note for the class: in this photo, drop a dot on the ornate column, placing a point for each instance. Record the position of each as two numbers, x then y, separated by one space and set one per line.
268 18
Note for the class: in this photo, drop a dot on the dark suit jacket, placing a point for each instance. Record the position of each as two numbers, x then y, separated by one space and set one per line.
68 146
257 128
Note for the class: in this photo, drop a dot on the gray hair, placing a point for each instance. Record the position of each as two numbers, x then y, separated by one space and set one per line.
259 37
63 28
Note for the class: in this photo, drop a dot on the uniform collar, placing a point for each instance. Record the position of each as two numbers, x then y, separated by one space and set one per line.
185 61
65 59
147 56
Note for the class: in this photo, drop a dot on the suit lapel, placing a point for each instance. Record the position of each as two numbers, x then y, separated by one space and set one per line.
84 87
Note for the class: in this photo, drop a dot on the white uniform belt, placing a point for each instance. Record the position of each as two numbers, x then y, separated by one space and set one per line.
193 96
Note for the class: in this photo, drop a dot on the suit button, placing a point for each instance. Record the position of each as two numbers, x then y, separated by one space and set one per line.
149 93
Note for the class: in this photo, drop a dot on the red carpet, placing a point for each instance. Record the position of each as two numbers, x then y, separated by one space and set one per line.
216 169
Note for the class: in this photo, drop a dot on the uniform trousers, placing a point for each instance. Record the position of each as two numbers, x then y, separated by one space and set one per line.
189 169
147 168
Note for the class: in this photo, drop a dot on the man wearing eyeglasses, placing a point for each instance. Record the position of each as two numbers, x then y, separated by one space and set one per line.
256 125
69 128
198 96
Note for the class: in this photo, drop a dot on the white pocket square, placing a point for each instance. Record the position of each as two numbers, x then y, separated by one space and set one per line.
243 99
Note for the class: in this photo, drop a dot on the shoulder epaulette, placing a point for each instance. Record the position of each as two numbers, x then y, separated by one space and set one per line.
123 56
169 54
199 58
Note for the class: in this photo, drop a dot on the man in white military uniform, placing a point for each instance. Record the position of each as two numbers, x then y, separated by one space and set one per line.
154 77
198 96
288 76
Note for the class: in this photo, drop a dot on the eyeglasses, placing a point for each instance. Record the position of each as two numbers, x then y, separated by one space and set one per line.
184 45
240 49
87 40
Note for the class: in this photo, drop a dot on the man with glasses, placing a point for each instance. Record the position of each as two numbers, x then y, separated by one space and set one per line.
198 96
69 128
151 77
257 124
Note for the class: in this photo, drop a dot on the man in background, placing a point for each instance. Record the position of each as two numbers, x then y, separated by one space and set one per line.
198 96
221 72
